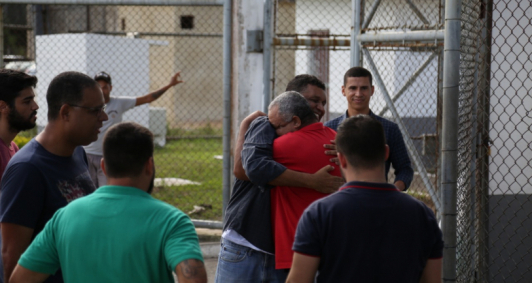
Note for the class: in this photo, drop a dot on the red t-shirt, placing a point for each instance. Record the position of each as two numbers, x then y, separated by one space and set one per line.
5 155
300 151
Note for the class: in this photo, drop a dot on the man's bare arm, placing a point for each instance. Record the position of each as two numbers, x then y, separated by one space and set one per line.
303 269
152 96
191 271
24 275
15 240
432 271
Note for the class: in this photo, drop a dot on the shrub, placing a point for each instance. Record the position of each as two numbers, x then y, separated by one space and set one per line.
21 141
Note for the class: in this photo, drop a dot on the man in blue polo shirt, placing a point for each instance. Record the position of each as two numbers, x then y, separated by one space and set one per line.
358 89
119 233
369 231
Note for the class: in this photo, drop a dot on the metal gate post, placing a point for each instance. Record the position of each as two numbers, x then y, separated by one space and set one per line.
451 81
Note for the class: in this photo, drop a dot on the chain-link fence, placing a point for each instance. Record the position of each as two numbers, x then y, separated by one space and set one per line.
409 71
495 169
141 47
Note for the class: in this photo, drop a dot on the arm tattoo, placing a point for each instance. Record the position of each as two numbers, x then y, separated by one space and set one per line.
157 94
191 268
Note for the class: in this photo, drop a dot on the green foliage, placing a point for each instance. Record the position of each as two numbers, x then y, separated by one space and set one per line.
21 141
192 159
422 196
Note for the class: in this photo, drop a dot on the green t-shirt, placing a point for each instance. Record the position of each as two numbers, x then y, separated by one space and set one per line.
117 234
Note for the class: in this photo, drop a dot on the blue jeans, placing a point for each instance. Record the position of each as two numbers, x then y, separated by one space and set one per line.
237 263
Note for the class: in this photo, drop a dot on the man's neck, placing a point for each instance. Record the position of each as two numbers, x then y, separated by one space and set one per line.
375 175
6 134
54 141
126 182
354 112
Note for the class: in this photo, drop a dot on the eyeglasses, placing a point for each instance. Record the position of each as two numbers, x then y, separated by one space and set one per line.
92 110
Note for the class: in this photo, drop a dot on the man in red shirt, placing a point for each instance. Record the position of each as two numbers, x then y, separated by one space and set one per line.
18 110
300 148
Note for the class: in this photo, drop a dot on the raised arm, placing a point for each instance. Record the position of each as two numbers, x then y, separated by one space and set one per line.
152 96
15 240
191 271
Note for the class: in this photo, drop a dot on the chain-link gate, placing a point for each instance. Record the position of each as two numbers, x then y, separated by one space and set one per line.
141 47
495 137
409 71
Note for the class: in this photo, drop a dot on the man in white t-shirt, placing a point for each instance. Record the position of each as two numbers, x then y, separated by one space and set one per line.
115 106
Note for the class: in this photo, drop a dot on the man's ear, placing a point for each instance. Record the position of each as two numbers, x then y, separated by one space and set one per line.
343 90
3 106
342 160
64 112
386 152
149 166
102 164
297 122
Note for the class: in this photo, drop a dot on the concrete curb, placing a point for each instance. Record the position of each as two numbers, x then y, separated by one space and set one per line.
210 249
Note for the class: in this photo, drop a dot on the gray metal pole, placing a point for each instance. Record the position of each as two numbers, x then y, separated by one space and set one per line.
267 55
422 35
369 17
355 31
451 81
226 187
417 12
409 144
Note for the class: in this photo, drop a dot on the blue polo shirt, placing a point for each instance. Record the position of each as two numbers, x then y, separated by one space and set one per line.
369 232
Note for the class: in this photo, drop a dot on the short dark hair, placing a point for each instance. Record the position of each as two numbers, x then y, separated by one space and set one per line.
12 83
66 88
103 76
301 82
127 146
361 140
292 103
358 72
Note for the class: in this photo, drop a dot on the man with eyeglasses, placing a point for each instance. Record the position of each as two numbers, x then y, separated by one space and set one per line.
51 170
115 106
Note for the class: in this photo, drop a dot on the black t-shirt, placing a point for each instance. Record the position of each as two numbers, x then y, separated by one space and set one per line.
36 183
369 232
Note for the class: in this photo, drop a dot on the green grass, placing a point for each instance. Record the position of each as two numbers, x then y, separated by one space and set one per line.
192 159
207 130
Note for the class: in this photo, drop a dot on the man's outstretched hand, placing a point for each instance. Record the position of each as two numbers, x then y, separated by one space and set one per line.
176 79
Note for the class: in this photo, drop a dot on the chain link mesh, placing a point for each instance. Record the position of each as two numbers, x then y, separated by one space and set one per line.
417 103
141 47
495 169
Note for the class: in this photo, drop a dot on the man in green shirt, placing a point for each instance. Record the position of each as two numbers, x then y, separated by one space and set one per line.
119 233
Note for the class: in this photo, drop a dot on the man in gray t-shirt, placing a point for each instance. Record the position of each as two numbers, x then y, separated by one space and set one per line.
115 106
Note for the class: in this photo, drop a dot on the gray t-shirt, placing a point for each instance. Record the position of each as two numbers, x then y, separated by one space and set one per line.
114 109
